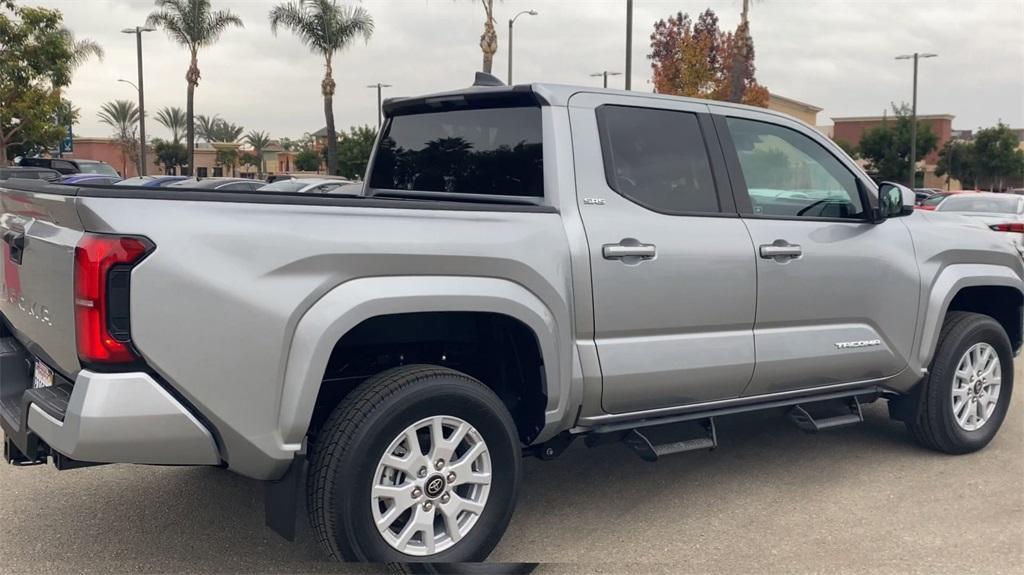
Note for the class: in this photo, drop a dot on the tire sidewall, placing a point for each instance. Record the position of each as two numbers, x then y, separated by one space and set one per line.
984 330
432 396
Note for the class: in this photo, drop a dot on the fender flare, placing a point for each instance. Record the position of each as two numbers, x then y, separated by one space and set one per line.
950 281
349 304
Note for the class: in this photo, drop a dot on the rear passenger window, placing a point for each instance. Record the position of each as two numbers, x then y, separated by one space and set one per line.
657 159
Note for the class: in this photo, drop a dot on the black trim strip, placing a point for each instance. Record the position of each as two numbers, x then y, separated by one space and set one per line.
187 195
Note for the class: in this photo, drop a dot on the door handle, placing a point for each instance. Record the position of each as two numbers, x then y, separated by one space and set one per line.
781 250
17 243
629 249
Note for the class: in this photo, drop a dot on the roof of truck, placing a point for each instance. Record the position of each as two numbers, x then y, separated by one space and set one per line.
540 93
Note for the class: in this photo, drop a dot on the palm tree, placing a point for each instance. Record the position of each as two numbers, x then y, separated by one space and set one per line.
81 50
489 39
259 141
194 25
172 118
123 117
205 126
326 28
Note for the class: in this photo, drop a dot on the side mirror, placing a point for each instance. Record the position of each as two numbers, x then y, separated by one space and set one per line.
894 200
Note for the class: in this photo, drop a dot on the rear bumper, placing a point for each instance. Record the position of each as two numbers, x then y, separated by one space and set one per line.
102 418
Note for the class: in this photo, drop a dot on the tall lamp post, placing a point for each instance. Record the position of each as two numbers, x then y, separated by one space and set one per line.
380 102
138 30
605 75
913 115
512 21
629 43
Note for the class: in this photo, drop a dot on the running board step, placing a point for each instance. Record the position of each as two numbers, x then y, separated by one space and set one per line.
648 451
815 417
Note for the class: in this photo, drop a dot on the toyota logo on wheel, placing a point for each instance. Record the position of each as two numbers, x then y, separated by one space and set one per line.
435 486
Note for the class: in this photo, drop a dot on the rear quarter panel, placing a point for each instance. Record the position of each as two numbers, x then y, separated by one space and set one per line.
215 306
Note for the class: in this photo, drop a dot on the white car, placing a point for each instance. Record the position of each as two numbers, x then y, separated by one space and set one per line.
304 186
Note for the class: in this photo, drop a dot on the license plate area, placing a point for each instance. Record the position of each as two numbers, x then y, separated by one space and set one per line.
42 375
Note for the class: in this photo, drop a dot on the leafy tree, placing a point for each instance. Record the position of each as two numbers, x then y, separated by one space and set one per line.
259 140
997 157
326 28
887 146
249 159
307 160
170 155
81 50
123 117
228 157
216 129
850 149
354 149
35 63
172 118
205 126
698 59
193 24
956 160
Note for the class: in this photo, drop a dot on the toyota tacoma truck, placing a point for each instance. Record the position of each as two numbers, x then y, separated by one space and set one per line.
524 266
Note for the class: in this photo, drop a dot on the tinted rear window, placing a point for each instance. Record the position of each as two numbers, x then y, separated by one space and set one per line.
494 151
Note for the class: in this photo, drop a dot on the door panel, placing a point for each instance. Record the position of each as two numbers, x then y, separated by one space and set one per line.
819 316
837 295
675 328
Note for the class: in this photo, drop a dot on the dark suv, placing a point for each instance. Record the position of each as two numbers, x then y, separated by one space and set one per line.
67 166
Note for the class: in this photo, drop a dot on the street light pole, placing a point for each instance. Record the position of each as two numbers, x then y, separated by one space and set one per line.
629 44
138 30
380 102
512 21
605 75
913 116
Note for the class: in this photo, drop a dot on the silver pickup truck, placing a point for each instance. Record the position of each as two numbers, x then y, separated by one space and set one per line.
525 266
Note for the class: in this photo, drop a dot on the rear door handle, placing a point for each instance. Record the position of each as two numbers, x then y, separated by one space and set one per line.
780 250
629 250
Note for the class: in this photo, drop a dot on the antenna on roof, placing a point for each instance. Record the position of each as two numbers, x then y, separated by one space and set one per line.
485 79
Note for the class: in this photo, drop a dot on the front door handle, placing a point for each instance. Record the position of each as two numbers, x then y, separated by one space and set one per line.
17 242
780 250
629 250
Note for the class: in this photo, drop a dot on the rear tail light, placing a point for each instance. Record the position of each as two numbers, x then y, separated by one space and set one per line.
103 266
1017 227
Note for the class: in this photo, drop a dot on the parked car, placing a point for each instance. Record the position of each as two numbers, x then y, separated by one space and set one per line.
1000 212
304 186
71 166
222 184
152 181
922 194
279 177
573 263
934 201
29 173
93 179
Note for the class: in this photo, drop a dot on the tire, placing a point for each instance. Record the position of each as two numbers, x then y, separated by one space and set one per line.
932 420
348 461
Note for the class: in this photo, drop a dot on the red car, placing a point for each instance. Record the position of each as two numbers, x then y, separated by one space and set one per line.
933 202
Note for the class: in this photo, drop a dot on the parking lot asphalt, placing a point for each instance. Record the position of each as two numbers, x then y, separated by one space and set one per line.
770 499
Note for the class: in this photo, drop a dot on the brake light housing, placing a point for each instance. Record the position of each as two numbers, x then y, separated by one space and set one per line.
1016 227
103 265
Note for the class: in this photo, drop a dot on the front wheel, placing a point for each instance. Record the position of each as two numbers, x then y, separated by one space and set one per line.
966 394
419 463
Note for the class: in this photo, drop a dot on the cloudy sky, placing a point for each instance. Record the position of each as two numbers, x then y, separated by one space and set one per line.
837 55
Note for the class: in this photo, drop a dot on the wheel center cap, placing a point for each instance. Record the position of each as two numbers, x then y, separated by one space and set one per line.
434 486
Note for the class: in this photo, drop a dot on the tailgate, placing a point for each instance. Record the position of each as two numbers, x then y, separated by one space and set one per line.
40 227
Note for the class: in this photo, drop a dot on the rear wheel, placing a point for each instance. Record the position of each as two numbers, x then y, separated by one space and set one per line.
965 396
419 463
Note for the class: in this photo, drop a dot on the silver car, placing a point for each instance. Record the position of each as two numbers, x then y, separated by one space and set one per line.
1000 212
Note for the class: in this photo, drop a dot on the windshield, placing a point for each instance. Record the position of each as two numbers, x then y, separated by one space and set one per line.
982 204
284 186
97 168
493 151
136 181
934 200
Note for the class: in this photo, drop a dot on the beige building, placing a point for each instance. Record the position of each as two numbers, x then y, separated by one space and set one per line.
802 111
